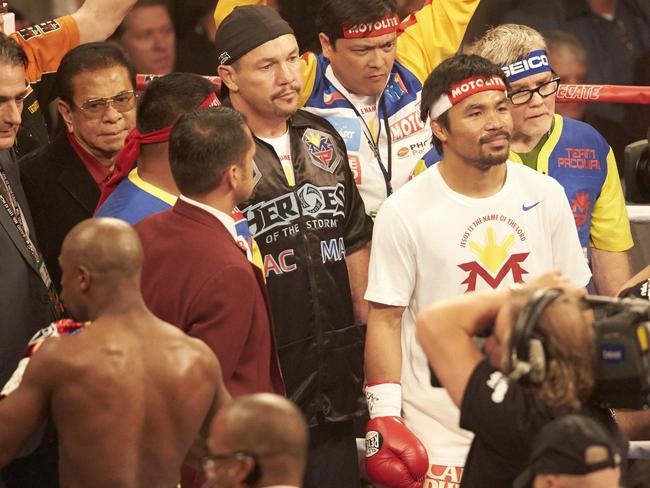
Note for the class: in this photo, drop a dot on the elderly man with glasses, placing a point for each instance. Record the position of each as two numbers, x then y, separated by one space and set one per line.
570 151
63 180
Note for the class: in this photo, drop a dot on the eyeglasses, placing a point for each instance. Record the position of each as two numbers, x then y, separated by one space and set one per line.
209 460
544 90
122 102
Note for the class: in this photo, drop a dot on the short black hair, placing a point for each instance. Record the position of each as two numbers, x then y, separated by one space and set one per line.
333 14
203 144
89 57
166 98
448 73
11 52
119 32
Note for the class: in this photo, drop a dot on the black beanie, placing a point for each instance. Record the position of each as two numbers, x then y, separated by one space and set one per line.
246 28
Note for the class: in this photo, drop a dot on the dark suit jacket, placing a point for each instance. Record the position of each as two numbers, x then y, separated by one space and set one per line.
25 308
25 305
61 193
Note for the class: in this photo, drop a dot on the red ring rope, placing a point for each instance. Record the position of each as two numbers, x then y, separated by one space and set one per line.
565 94
603 94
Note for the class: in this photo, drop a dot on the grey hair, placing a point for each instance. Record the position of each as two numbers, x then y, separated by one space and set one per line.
506 43
11 52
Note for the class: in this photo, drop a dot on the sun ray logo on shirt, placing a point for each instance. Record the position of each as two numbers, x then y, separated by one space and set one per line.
494 260
321 148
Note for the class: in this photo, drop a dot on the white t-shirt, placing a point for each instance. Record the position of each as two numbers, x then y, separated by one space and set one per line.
431 243
282 147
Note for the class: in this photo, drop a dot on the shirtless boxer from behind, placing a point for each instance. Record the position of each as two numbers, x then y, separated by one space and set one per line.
129 393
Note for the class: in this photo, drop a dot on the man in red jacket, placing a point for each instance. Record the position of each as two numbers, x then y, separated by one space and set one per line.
196 274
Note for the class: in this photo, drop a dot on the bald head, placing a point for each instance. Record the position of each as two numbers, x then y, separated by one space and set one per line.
267 426
100 262
105 246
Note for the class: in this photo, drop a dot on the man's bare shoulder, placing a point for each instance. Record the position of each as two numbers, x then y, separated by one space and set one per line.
203 356
159 345
183 349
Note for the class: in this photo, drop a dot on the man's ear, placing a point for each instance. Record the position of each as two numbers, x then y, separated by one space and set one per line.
228 76
231 177
438 130
246 471
66 113
325 44
84 278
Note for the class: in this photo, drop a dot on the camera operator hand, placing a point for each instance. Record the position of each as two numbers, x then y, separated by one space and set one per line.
555 279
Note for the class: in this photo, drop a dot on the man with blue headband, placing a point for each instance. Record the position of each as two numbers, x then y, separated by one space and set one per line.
572 152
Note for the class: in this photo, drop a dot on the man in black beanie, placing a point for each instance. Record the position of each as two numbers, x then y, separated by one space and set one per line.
313 231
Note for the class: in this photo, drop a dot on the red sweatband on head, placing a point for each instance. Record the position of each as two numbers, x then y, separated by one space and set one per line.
466 88
210 101
386 25
127 157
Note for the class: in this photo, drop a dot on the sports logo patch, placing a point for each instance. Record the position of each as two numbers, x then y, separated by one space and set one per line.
38 30
580 206
373 442
321 149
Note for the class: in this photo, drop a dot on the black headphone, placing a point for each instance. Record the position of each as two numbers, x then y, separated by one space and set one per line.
527 354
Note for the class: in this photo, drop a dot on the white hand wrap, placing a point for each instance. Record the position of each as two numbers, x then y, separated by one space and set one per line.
384 400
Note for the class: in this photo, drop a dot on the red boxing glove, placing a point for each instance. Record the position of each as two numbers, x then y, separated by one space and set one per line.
395 457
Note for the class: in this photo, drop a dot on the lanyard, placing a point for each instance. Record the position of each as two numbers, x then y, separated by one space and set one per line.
13 209
386 171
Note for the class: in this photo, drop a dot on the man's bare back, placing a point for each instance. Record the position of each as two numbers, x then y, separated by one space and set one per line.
128 394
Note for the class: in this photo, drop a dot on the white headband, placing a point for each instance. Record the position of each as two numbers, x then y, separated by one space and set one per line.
466 88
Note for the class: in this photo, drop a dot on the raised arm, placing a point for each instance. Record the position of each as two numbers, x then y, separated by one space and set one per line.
97 19
445 331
